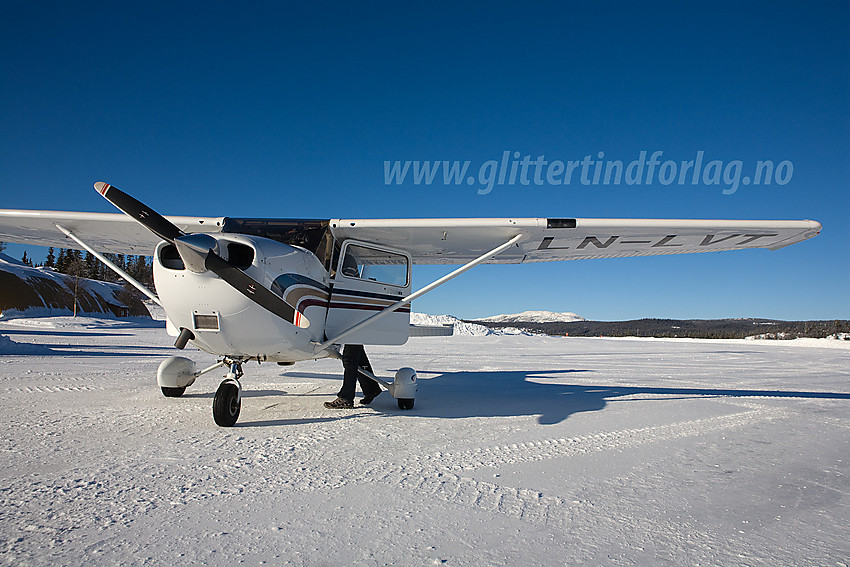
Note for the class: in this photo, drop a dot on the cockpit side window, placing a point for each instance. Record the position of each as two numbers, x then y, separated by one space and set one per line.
349 265
375 265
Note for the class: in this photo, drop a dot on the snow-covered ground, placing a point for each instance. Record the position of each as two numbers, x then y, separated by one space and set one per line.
521 450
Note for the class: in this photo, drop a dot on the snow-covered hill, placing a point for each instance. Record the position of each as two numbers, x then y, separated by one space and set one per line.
460 327
29 291
534 317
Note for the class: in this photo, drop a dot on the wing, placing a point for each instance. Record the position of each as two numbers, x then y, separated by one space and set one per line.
456 241
438 241
115 233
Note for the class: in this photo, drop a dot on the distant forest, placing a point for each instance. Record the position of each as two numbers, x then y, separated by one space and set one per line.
688 328
75 263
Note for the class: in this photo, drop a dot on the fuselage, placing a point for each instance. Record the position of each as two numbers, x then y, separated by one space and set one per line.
230 322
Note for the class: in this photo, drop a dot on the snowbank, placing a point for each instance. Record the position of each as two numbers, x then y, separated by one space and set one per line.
8 346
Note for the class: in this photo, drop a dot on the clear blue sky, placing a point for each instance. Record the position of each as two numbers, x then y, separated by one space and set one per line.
267 109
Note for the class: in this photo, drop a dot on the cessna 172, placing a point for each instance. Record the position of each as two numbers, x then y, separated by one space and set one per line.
288 290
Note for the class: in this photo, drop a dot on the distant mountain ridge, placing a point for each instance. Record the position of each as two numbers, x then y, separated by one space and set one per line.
532 317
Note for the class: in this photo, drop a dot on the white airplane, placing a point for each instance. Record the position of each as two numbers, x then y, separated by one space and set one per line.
287 290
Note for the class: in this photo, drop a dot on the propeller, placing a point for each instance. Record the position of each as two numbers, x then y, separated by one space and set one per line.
144 215
197 251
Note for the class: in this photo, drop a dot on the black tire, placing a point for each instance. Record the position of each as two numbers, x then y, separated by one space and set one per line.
172 392
226 405
405 403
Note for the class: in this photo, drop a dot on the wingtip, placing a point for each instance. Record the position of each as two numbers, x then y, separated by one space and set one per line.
101 187
814 228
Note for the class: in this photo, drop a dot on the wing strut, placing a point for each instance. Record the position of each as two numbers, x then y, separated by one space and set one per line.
111 266
401 302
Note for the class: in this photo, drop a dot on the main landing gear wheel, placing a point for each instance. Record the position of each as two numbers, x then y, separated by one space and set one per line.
172 392
226 405
405 403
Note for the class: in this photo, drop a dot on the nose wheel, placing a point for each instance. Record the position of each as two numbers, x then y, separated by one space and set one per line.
228 398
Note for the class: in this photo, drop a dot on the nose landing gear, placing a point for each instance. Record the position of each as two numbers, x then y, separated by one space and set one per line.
228 398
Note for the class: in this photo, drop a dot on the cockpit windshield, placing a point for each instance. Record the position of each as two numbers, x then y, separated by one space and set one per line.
312 234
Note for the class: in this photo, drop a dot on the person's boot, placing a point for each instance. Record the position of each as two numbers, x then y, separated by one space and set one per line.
340 403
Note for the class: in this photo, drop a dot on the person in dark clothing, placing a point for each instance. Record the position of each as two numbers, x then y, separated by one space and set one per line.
354 356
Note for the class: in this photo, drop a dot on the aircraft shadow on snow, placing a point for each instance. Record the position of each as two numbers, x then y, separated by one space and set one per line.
69 349
513 393
55 333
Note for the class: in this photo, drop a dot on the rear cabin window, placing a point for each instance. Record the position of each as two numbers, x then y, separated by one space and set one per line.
375 265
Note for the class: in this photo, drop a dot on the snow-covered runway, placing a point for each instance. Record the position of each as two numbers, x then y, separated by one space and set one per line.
520 450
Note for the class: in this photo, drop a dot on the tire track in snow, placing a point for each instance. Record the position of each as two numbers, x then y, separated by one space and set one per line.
438 475
51 389
108 501
532 451
833 421
526 504
443 475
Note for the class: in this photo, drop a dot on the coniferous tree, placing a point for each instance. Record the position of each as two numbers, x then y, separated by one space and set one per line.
69 257
76 257
147 271
105 273
140 270
50 261
60 261
91 269
110 275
